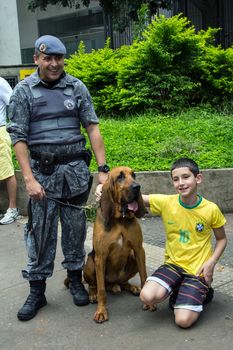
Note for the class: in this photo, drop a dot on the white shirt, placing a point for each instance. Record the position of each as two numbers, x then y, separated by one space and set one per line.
5 94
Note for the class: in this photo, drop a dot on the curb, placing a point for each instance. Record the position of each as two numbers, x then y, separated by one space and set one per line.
217 187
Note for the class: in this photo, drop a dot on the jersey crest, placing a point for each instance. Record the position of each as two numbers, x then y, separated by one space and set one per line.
199 227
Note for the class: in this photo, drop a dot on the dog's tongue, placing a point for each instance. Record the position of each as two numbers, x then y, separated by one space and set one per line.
133 206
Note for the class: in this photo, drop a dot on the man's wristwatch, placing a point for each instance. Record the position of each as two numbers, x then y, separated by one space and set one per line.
103 168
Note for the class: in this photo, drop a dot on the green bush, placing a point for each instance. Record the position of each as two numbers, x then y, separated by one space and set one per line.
98 70
15 162
171 68
217 73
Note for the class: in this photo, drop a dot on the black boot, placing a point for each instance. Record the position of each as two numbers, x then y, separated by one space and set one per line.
34 302
80 295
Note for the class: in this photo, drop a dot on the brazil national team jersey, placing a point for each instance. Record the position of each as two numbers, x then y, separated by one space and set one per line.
188 229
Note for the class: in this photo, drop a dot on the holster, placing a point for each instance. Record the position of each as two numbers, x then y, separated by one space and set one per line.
47 163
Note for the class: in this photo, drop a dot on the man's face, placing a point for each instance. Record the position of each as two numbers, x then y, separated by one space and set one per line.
50 66
185 182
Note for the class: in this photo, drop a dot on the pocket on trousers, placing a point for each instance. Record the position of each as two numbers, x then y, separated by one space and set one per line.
30 243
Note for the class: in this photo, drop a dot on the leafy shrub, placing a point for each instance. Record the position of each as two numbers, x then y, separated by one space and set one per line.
14 160
171 68
217 72
98 70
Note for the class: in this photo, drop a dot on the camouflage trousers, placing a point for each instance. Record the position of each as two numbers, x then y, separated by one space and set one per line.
41 233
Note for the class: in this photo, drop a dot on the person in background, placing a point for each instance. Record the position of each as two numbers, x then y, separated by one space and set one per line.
46 113
6 165
189 220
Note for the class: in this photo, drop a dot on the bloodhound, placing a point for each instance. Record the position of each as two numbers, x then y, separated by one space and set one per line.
117 253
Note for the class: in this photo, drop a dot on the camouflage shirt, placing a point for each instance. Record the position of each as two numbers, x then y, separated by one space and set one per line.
69 179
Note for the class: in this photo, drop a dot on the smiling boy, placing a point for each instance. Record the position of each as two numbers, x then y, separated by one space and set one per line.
189 220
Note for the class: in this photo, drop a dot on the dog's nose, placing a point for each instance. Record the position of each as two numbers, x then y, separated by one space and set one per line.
136 189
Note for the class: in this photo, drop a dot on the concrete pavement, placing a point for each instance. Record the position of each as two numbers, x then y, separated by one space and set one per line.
62 325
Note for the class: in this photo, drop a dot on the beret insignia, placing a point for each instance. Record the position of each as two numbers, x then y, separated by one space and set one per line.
42 47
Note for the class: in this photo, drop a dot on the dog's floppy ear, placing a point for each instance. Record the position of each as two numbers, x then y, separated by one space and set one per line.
107 205
141 207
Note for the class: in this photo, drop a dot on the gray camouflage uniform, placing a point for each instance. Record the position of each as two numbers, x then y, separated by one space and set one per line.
69 181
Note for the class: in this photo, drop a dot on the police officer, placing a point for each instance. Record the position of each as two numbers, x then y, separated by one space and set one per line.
46 112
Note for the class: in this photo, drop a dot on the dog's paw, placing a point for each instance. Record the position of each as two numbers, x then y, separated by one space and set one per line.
135 290
101 315
93 295
93 299
116 289
149 307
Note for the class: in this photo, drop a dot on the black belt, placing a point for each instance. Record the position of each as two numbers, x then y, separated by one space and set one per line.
62 158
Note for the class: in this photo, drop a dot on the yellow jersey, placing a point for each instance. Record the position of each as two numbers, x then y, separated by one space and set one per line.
188 229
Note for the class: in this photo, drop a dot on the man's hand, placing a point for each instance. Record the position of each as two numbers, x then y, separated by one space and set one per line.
102 177
34 189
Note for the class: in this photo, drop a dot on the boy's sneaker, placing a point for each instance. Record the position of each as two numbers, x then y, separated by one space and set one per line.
10 216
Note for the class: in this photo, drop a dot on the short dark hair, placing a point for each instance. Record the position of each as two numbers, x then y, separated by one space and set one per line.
186 162
37 53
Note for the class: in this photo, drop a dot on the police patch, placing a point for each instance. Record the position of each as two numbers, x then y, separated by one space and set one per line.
42 47
69 104
199 227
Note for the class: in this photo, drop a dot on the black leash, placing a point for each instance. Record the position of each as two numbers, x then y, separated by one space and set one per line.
67 204
59 202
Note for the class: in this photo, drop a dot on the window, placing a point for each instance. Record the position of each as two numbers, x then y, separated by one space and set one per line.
85 25
12 80
27 55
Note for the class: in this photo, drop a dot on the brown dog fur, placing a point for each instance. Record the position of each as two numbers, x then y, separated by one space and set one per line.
117 253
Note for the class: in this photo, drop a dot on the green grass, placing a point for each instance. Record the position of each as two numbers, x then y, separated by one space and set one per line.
152 141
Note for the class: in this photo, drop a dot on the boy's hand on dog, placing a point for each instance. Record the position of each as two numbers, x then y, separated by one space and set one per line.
98 192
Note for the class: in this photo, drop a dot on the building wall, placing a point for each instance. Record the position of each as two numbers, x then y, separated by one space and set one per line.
226 6
28 21
14 73
34 24
20 27
214 13
9 33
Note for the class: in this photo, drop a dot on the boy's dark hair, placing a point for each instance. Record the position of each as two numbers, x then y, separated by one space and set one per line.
186 162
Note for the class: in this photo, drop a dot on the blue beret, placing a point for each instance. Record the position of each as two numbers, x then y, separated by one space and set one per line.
50 45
